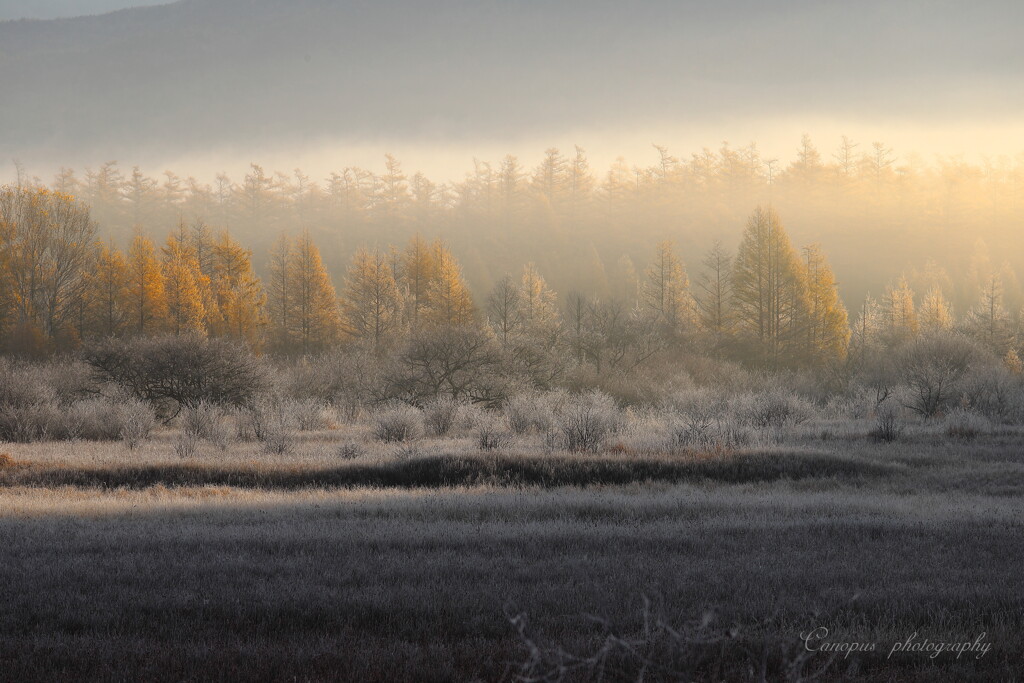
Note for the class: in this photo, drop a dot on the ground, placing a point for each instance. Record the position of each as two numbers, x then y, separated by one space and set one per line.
438 562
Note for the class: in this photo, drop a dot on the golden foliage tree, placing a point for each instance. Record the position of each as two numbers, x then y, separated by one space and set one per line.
770 290
538 310
302 301
935 312
372 302
147 301
419 268
450 303
48 241
899 312
184 285
108 296
239 296
828 326
666 290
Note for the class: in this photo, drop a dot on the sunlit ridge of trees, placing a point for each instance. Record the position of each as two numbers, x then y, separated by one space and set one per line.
769 304
877 214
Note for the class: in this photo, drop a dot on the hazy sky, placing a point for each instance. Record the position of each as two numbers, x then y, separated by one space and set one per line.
214 84
52 9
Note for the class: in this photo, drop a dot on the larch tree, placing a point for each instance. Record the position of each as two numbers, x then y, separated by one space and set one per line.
666 290
899 312
281 295
770 290
183 287
419 268
48 242
537 306
109 296
372 302
935 314
147 304
450 304
828 325
318 319
504 310
239 296
715 300
988 320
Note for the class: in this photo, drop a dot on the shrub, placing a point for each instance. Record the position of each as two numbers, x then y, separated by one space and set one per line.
397 422
966 425
933 368
887 426
180 371
350 450
440 414
586 421
137 424
773 409
186 445
199 420
491 433
532 412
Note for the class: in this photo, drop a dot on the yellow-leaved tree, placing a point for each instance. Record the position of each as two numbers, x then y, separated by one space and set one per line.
828 328
184 285
372 303
147 301
108 297
304 314
450 304
237 291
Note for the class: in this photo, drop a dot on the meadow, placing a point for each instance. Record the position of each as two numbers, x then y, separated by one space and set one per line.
352 557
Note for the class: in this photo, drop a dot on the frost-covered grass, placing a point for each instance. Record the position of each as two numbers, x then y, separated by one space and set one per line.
353 558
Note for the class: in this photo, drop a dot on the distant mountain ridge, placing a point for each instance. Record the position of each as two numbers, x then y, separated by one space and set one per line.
197 73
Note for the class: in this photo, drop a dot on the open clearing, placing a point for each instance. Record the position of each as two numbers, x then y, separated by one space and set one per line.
129 566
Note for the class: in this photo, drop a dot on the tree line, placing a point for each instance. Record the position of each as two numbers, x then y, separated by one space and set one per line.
768 304
879 214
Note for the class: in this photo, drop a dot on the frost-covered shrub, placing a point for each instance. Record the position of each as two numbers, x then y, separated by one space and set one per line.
310 415
996 393
138 421
440 415
397 422
491 432
964 424
200 419
773 409
888 426
273 423
533 411
585 421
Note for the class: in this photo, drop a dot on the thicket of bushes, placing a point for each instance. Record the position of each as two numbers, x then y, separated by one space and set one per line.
219 392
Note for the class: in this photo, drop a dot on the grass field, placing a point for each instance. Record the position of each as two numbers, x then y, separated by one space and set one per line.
442 563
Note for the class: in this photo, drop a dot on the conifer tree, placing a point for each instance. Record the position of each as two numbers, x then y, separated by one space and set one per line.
770 290
108 294
281 295
715 300
900 314
147 305
935 311
183 287
318 320
537 307
240 299
828 329
372 303
450 301
419 268
666 290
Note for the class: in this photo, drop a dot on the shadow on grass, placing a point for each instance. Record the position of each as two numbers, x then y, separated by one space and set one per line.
442 471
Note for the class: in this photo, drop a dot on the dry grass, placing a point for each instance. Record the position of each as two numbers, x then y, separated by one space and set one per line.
120 565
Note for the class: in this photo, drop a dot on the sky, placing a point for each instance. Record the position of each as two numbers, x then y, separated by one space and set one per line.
207 85
55 9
